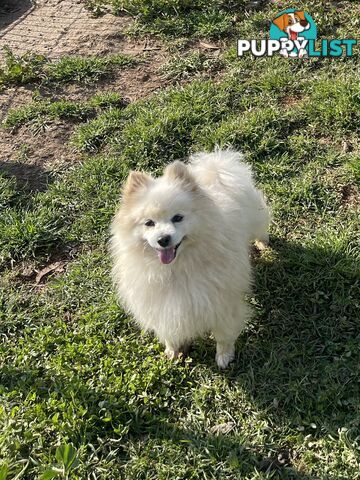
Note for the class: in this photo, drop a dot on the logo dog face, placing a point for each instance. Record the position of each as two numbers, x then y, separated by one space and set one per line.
292 24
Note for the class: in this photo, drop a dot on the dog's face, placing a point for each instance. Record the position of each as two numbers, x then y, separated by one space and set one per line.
292 23
161 213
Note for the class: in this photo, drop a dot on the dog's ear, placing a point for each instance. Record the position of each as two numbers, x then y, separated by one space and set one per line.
134 182
281 21
179 171
301 15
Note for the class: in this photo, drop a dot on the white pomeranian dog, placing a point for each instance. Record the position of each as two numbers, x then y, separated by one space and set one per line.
180 246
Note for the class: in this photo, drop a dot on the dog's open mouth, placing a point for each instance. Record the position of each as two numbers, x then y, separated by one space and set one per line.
293 35
167 255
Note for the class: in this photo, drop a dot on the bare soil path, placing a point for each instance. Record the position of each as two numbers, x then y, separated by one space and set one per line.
57 28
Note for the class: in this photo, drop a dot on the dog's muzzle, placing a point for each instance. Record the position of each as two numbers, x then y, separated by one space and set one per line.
168 254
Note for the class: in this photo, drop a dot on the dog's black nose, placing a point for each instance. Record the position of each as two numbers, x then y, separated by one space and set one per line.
164 240
304 23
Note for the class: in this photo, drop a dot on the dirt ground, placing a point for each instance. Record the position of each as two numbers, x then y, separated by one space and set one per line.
56 28
59 27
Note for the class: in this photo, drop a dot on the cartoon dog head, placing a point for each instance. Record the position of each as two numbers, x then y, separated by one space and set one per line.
292 24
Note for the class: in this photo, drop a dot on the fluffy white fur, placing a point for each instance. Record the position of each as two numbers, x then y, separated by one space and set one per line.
202 289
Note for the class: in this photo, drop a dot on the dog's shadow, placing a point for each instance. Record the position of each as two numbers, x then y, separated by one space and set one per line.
299 359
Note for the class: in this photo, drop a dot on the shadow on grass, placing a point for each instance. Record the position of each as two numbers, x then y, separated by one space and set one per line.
304 353
28 177
300 362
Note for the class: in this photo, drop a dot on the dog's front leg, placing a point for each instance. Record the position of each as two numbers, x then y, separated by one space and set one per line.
171 351
225 353
225 349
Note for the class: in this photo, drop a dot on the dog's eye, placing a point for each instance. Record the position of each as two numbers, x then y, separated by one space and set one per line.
290 21
150 223
177 218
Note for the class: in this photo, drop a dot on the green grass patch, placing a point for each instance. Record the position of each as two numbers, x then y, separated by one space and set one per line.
86 395
7 192
40 113
217 19
84 70
21 69
91 136
249 111
175 18
185 66
30 67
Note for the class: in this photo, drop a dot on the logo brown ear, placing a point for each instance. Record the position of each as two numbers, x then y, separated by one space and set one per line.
179 171
134 182
281 21
301 15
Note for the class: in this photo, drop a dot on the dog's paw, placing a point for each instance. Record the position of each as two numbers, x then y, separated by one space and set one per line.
171 354
223 359
261 245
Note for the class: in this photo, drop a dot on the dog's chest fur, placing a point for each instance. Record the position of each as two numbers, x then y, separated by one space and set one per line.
188 298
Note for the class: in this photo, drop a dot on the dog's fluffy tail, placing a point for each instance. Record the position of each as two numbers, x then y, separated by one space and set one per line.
225 176
225 167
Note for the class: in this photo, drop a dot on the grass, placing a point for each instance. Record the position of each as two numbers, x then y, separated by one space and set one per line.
174 18
84 394
40 113
219 19
34 68
185 66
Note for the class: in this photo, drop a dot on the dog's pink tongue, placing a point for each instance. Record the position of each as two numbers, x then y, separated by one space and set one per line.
167 255
293 35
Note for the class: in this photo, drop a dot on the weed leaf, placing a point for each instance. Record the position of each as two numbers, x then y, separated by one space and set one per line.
49 474
4 472
66 455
